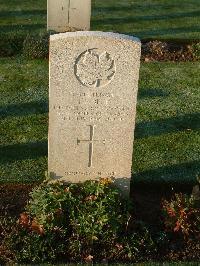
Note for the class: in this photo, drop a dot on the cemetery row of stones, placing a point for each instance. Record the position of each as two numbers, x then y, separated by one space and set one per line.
35 47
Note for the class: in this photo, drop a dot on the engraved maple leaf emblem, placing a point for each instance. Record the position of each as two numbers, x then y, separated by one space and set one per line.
95 69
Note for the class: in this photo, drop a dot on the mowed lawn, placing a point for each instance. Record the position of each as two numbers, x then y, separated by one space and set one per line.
147 19
167 137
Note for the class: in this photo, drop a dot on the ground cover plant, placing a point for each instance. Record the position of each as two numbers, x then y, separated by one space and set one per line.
77 222
93 222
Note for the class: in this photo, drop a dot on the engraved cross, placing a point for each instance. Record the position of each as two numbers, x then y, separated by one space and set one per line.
91 142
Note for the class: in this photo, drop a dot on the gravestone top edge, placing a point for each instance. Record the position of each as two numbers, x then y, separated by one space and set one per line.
111 35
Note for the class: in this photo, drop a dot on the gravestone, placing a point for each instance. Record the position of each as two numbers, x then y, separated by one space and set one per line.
93 94
65 14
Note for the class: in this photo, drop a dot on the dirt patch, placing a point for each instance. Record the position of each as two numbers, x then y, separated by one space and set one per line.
170 51
14 198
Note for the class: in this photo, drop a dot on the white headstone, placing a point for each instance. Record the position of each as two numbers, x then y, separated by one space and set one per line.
93 95
65 14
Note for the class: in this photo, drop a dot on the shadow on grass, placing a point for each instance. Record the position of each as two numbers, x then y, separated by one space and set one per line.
139 19
24 109
21 13
142 7
149 92
162 32
169 125
26 27
174 175
17 152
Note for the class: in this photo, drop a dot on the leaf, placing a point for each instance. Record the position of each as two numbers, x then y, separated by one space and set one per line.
37 227
88 259
24 220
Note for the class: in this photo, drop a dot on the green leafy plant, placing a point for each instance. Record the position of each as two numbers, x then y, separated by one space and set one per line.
87 222
136 246
65 219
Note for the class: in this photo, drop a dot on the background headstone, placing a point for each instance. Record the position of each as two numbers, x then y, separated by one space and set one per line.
93 94
65 14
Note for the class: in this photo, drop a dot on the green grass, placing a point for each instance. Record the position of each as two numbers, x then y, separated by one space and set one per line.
23 137
167 146
147 19
167 139
22 17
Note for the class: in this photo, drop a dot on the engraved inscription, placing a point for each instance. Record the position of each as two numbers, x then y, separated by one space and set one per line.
91 143
94 68
93 113
97 174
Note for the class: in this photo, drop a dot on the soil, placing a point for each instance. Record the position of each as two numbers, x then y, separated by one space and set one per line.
14 198
170 51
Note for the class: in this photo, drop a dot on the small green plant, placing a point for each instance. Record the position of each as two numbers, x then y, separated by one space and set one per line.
137 245
76 215
87 222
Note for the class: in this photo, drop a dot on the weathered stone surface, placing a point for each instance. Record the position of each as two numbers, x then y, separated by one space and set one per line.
65 14
93 94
